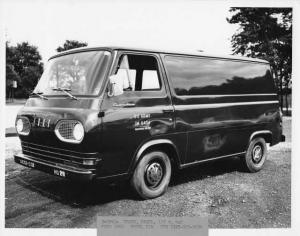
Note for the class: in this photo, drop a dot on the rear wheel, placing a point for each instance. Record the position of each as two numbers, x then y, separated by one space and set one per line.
152 175
256 155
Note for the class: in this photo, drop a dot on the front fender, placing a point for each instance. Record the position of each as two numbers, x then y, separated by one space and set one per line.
159 143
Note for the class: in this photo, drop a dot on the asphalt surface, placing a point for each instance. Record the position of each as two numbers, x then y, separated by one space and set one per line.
221 190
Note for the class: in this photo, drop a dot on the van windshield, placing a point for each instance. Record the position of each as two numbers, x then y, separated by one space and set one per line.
78 73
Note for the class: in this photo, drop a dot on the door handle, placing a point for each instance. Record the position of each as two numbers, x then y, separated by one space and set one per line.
170 110
124 105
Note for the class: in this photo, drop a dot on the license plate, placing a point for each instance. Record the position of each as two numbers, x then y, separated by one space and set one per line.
60 173
27 163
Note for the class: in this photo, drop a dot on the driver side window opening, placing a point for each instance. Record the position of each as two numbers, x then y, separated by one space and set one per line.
138 73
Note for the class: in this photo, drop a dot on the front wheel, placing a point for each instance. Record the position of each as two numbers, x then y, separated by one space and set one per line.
256 155
152 175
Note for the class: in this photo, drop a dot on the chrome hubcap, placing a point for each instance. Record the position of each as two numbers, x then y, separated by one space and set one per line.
257 153
154 174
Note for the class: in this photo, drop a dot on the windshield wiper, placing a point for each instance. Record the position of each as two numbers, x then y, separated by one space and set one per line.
66 91
39 94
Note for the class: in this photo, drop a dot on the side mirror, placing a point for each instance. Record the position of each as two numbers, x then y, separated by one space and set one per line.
115 86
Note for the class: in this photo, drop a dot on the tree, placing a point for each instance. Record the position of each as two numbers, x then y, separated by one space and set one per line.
11 75
23 64
266 33
70 44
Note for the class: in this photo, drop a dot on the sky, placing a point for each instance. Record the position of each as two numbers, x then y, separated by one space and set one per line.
182 25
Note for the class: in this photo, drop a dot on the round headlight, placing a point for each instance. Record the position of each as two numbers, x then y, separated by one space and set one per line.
23 126
19 125
78 132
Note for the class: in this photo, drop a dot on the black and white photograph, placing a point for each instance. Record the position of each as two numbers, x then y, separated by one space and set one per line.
148 109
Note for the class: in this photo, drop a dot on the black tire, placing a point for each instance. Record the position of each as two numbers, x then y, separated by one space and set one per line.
152 175
256 155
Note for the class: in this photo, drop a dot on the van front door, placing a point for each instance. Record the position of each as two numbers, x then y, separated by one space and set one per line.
137 115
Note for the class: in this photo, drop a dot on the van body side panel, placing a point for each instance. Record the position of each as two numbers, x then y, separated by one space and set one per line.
216 131
220 103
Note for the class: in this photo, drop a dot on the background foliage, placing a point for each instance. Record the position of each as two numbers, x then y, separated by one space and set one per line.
266 33
24 65
70 44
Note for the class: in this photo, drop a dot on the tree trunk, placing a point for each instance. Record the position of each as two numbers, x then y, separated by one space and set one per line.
279 79
281 91
286 103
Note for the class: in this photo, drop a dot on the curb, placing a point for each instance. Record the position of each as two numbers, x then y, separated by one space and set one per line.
10 132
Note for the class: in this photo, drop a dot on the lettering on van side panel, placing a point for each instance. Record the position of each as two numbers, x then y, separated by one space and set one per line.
141 122
141 116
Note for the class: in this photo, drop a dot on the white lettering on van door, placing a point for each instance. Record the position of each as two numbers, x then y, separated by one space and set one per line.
141 116
141 122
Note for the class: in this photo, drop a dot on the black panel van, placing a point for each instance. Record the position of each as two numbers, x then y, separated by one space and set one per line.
112 113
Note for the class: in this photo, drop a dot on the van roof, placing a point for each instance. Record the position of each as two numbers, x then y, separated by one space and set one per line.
191 53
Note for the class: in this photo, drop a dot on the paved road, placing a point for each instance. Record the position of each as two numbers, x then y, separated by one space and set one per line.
221 190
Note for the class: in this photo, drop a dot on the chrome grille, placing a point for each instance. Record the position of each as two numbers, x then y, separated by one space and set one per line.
65 128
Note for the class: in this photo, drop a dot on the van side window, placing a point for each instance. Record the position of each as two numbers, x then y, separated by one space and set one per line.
139 73
208 76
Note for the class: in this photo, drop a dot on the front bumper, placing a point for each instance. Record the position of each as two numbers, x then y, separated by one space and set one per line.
56 169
